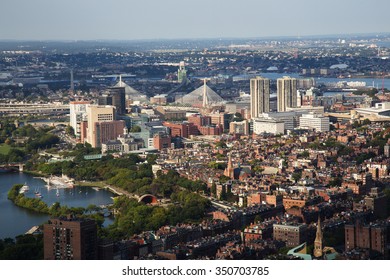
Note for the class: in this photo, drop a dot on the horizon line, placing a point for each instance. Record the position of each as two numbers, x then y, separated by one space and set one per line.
202 38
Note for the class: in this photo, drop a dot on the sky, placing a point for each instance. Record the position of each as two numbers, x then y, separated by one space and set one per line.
180 19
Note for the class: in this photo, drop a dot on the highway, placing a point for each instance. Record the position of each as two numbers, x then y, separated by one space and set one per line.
33 109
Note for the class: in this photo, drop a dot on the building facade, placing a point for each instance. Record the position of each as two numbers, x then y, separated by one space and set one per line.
286 93
374 237
70 239
268 125
162 141
239 127
292 234
97 115
78 114
314 121
118 95
260 92
182 129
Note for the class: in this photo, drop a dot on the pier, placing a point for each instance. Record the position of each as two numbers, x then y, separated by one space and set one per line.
33 230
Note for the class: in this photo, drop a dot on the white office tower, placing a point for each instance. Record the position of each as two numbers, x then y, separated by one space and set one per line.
78 114
259 94
314 121
287 93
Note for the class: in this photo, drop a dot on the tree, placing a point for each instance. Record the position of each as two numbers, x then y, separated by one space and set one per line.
69 130
223 179
258 219
356 124
223 195
238 117
366 122
305 154
217 165
92 208
296 176
151 158
16 155
135 128
221 144
258 169
214 189
336 182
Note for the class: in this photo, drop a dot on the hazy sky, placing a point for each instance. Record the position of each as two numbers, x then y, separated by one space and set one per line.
156 19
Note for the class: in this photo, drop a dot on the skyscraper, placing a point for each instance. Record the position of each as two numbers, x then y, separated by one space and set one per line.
260 90
182 73
78 114
70 239
287 93
118 95
105 99
102 125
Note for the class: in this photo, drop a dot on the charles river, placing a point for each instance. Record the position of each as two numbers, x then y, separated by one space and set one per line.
15 220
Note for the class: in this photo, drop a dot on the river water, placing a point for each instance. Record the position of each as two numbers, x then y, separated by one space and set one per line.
376 82
15 220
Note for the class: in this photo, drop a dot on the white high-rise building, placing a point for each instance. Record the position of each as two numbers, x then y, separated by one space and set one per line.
259 92
316 121
287 93
78 114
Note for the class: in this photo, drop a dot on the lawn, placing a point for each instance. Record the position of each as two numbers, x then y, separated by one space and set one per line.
4 149
91 184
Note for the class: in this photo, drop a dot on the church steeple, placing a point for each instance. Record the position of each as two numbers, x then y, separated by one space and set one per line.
318 240
229 170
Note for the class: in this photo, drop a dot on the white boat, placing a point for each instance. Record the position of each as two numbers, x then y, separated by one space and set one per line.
58 192
25 188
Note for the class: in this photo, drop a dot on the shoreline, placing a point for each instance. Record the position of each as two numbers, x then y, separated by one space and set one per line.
78 183
98 185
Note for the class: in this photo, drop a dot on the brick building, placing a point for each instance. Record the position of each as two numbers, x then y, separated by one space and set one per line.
292 234
291 202
377 202
374 237
199 120
106 131
259 231
182 129
70 239
162 141
211 130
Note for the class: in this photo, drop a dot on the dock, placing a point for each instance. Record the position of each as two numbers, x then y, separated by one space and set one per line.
33 230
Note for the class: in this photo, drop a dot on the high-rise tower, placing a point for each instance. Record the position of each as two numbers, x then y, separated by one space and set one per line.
78 114
101 125
182 73
287 93
260 90
70 239
205 97
118 97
